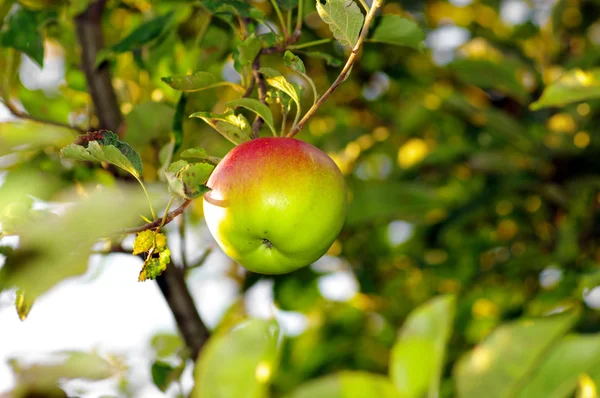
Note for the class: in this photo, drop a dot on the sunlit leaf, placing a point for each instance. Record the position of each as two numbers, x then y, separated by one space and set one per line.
43 379
347 384
22 32
417 357
231 126
240 362
394 29
573 86
155 264
144 241
57 247
23 304
558 373
498 367
344 19
257 107
165 345
29 135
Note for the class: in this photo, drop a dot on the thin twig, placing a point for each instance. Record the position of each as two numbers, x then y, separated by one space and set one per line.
344 73
280 17
22 115
157 223
262 94
201 260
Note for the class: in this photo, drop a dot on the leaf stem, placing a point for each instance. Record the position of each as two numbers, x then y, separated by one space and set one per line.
156 223
365 5
289 20
280 17
164 218
312 84
343 74
299 18
147 197
309 44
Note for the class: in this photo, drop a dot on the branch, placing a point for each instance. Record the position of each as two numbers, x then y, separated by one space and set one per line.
262 94
89 33
158 222
23 115
173 287
172 281
345 71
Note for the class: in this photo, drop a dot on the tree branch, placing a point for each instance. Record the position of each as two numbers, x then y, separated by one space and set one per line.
172 281
89 33
172 285
158 222
345 71
23 115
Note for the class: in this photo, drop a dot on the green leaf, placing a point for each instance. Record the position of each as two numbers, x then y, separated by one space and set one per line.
231 126
558 373
187 180
245 53
328 58
23 304
200 154
573 86
165 345
393 29
344 19
22 33
347 384
257 107
498 366
417 357
189 83
240 362
233 7
57 247
142 35
149 122
104 146
293 62
288 4
28 135
163 374
487 74
155 264
177 125
276 80
144 241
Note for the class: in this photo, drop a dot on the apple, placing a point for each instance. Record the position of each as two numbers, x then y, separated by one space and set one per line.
276 204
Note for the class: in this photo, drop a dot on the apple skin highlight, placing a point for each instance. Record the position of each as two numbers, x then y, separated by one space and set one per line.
276 204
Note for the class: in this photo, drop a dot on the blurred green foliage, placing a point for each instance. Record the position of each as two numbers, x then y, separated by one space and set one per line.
474 177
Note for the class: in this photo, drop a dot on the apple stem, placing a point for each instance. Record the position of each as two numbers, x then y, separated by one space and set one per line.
343 74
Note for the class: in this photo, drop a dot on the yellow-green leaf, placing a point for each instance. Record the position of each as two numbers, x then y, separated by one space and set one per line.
344 19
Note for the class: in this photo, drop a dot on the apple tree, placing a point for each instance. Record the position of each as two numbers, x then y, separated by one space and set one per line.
439 158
